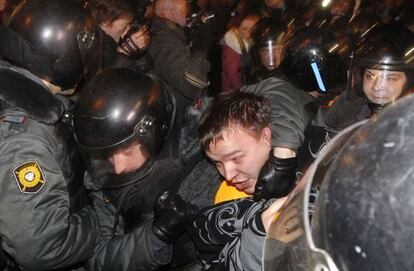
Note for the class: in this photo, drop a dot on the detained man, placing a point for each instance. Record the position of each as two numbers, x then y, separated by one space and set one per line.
236 136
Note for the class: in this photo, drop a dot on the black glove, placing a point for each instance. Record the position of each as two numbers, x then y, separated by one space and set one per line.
172 215
202 39
276 178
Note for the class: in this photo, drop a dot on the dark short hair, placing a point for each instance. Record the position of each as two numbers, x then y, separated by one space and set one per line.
237 109
110 10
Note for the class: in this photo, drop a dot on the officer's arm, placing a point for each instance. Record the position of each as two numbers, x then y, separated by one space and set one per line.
38 229
288 122
148 246
138 250
288 116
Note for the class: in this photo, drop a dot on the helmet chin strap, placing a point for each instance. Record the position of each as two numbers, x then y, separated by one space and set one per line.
376 108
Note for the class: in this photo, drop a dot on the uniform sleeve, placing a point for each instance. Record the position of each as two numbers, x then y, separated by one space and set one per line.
138 249
174 63
38 229
288 116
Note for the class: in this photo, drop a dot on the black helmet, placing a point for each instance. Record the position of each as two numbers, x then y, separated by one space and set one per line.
364 216
268 37
63 35
114 109
316 60
383 55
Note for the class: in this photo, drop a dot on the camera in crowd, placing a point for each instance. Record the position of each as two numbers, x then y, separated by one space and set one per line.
201 16
140 23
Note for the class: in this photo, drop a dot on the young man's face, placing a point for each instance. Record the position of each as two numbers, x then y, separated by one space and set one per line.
240 155
383 87
128 159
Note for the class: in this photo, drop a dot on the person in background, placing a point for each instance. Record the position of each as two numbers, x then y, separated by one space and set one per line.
269 36
184 69
126 31
236 44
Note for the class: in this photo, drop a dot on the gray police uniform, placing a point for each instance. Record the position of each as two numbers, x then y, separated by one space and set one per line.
44 221
288 115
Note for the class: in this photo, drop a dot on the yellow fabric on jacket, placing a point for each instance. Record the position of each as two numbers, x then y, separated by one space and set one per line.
228 192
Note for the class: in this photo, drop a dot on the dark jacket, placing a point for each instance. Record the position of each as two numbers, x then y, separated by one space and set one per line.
173 61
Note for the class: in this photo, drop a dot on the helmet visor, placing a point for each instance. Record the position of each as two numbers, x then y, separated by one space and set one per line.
117 166
381 86
270 55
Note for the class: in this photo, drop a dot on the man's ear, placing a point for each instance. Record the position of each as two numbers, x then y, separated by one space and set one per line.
267 135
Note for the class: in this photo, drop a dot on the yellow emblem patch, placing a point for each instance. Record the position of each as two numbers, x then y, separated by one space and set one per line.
29 177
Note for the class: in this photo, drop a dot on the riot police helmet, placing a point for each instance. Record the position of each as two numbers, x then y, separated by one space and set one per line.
316 60
63 36
383 65
268 37
115 110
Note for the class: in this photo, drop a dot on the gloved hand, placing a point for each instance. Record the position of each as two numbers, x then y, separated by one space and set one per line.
202 39
276 178
172 215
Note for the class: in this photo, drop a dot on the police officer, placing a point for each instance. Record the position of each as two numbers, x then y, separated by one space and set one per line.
45 222
382 72
288 115
316 61
268 35
375 82
125 31
121 125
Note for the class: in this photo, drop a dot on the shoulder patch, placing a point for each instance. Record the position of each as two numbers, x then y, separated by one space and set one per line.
29 177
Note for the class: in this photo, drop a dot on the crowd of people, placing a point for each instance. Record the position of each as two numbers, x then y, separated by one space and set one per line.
206 135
